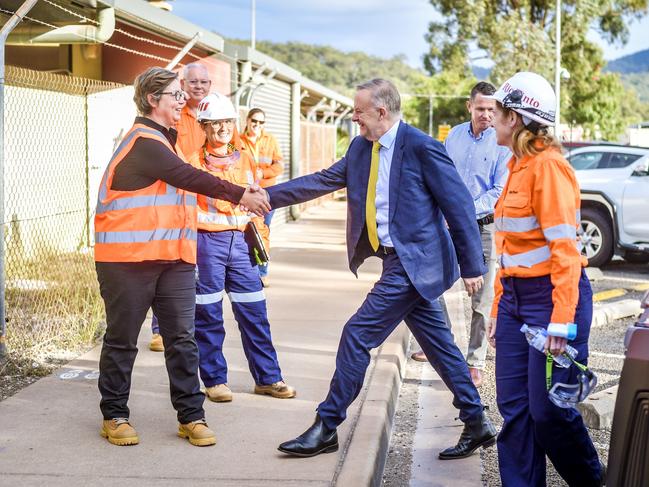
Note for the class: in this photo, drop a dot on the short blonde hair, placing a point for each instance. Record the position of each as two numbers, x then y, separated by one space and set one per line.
526 142
151 82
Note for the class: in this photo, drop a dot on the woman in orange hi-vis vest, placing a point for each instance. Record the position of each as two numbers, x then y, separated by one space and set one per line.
542 284
268 158
145 253
225 265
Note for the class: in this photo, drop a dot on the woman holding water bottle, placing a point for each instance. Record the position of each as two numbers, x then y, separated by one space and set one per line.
541 284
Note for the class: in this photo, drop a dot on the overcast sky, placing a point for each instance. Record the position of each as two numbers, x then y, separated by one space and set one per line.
380 27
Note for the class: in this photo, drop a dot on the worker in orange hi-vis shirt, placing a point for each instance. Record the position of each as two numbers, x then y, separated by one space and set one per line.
268 157
543 298
196 83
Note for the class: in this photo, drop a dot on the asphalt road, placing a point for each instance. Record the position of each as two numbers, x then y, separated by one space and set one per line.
606 359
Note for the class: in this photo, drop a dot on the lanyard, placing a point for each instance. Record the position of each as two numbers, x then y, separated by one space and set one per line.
549 361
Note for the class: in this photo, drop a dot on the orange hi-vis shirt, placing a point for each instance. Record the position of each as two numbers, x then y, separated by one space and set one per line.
216 215
537 219
267 156
191 136
153 223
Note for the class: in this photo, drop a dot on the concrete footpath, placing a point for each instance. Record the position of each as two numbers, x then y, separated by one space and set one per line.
49 432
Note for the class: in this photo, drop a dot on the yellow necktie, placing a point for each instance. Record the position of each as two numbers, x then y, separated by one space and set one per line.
370 202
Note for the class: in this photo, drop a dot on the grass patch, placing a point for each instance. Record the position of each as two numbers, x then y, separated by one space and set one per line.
53 311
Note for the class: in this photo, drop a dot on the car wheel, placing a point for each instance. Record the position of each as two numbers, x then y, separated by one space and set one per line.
596 237
636 257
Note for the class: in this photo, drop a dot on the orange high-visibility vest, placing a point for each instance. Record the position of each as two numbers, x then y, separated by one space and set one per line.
265 151
215 215
191 136
537 219
153 223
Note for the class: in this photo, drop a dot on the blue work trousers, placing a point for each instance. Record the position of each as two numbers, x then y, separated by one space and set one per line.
394 299
224 265
533 426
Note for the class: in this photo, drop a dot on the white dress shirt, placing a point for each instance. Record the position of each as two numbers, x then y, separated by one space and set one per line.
383 185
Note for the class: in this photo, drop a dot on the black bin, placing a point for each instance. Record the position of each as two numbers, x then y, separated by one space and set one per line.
628 460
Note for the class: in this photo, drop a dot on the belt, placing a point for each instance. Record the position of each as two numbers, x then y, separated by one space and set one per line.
383 250
486 220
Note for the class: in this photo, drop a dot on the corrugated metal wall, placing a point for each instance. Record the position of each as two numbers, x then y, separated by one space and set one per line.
274 98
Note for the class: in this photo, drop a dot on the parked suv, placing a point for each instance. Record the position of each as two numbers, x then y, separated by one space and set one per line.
614 183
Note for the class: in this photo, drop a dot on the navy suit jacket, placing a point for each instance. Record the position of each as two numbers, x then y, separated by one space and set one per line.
426 192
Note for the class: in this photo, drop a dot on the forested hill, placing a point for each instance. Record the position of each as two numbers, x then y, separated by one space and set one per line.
341 71
638 62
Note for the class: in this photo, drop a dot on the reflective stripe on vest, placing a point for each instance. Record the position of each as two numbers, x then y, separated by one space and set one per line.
222 219
265 159
560 231
141 236
157 222
526 259
511 224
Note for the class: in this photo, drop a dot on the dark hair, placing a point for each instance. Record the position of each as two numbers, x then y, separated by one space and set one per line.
151 82
483 88
254 111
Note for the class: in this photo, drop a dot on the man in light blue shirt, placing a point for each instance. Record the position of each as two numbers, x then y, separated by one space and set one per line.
482 165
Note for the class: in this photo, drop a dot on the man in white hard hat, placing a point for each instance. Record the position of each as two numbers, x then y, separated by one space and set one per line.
225 265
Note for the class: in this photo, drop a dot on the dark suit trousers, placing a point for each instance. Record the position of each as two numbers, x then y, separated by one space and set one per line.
129 290
394 299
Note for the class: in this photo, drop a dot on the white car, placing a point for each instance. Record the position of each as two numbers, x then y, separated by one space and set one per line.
614 183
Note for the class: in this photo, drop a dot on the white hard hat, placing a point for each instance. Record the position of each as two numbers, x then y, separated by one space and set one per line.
216 107
530 95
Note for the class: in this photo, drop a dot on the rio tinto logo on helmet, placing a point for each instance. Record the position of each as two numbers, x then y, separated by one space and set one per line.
202 106
524 99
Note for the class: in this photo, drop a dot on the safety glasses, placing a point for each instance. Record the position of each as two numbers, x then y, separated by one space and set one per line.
569 395
178 95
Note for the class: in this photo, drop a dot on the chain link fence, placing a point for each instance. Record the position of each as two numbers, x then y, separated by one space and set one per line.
52 298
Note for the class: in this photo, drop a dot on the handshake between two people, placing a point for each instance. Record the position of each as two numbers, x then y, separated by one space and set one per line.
255 200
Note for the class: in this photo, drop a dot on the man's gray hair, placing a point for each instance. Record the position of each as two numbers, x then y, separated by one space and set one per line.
384 93
191 66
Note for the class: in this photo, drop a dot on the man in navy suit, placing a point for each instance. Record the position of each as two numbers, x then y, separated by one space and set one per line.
402 191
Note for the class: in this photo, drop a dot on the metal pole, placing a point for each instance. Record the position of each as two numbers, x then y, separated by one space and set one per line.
253 25
184 50
557 70
4 33
430 115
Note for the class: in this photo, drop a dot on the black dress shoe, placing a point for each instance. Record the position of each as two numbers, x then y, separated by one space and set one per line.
317 439
476 434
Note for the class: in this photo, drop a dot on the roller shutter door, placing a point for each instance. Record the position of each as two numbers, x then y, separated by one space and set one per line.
274 98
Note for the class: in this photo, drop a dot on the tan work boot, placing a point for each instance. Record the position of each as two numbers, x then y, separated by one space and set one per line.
156 344
280 390
219 393
119 431
197 432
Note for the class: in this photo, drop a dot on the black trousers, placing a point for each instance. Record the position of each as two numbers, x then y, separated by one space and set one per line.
129 290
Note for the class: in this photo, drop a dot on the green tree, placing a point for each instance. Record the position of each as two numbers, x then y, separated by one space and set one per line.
518 35
450 89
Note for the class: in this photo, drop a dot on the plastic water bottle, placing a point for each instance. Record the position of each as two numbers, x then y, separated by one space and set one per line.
536 337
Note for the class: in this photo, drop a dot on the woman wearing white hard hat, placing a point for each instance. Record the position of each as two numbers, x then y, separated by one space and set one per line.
541 283
225 265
